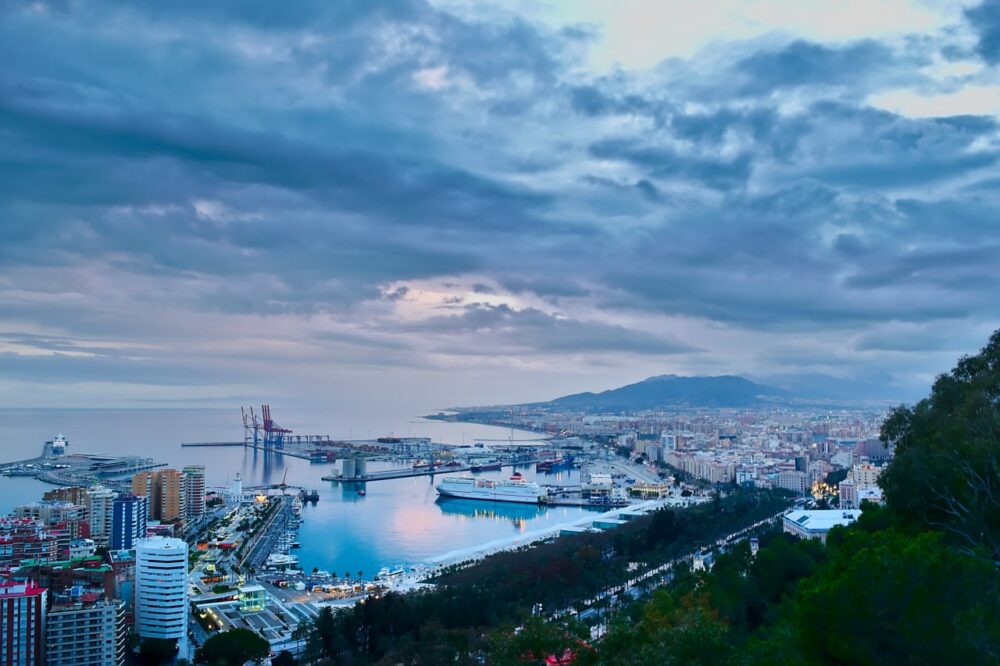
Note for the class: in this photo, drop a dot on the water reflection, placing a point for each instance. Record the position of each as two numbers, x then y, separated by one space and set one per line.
270 463
518 514
353 491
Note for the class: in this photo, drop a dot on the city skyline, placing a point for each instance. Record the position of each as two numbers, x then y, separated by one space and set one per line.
436 203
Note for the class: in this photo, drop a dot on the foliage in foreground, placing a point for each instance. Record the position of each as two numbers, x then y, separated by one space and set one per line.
233 648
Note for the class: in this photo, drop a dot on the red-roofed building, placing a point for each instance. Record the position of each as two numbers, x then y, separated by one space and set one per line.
22 624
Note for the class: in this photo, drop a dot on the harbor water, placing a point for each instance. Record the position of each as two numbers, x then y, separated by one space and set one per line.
395 522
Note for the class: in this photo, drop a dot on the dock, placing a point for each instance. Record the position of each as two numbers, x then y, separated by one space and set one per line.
211 443
422 471
73 469
293 449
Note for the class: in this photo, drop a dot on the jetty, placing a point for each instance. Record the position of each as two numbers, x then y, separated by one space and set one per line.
419 471
73 469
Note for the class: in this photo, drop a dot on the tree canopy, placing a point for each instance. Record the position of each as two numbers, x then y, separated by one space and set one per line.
946 470
233 648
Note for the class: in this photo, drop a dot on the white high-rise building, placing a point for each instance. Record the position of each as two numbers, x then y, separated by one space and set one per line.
100 509
161 590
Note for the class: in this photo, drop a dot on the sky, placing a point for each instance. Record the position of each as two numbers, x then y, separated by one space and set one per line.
429 203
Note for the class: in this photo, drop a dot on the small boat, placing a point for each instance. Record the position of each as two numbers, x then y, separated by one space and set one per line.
22 470
554 464
362 492
488 466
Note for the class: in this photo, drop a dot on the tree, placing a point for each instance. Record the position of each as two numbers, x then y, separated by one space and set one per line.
156 651
536 641
946 470
283 658
673 629
889 597
326 631
233 648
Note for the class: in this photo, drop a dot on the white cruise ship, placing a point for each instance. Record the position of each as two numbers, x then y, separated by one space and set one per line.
59 443
516 489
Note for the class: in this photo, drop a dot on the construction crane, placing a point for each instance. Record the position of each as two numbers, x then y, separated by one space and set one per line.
283 486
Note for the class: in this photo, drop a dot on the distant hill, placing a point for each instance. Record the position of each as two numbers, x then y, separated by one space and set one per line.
674 391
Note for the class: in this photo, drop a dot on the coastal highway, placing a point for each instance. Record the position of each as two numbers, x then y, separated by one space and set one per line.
653 577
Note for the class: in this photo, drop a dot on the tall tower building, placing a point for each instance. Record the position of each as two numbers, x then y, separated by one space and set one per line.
161 590
194 490
129 515
99 503
172 495
165 491
86 632
144 484
22 624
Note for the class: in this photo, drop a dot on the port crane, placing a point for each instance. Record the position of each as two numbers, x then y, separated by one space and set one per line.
263 431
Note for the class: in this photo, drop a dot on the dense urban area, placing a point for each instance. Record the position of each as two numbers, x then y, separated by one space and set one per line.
780 530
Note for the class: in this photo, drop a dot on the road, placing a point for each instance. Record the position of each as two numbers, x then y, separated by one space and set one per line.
637 472
661 575
262 543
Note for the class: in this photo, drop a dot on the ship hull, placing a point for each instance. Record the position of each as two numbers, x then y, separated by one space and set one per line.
488 495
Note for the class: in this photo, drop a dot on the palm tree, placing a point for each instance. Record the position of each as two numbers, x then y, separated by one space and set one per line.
360 573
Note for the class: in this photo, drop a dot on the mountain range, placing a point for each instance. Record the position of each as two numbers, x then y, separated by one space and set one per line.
672 390
663 391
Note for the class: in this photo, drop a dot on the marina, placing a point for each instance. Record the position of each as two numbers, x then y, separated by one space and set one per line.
344 525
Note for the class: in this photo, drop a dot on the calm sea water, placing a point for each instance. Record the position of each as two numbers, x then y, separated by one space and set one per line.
397 522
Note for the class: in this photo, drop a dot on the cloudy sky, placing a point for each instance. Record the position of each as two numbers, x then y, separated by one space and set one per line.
448 202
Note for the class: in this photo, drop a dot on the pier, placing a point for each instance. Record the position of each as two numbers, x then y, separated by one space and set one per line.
421 471
73 469
212 443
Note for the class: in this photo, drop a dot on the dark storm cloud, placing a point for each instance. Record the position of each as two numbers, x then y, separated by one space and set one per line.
662 162
803 63
294 162
502 329
985 19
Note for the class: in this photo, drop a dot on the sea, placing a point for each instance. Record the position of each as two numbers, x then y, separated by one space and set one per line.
399 522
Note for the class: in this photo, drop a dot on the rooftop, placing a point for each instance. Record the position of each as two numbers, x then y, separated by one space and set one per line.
822 520
19 589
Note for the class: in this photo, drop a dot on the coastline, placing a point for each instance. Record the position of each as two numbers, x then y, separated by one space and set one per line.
466 556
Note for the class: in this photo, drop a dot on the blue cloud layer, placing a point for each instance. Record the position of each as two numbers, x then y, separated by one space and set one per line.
311 161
